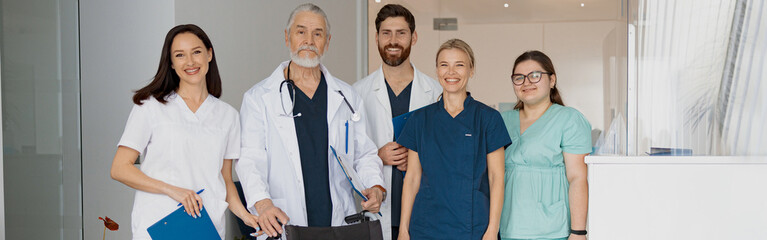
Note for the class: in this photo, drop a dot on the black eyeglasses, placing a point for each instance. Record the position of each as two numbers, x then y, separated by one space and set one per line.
534 77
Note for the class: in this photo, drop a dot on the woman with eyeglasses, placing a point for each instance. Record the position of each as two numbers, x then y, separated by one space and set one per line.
546 193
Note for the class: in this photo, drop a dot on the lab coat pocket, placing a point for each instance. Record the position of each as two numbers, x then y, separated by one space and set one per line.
346 139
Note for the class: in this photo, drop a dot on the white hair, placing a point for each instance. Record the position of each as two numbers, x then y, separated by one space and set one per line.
308 7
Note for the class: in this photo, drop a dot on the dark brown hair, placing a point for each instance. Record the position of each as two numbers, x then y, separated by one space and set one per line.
547 65
395 10
166 80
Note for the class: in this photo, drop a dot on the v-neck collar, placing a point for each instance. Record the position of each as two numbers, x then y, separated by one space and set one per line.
390 91
466 106
195 114
541 118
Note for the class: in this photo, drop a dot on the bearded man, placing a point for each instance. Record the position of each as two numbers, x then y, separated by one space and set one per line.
397 87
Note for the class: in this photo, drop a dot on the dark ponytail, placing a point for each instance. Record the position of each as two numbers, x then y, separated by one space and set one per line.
166 80
547 66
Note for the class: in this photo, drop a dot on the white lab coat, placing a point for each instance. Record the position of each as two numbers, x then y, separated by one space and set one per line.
270 164
375 96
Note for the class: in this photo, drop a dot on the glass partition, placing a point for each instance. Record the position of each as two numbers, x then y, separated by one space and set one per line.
41 126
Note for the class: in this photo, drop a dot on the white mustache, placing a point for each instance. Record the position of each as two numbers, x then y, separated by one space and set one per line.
308 47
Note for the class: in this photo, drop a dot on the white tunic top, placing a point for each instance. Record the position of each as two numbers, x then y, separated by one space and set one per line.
185 149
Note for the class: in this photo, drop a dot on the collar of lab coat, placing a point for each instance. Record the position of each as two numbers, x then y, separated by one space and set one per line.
272 96
416 99
334 98
278 76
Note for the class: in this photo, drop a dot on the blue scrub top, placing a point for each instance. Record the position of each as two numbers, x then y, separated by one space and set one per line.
400 104
312 136
453 201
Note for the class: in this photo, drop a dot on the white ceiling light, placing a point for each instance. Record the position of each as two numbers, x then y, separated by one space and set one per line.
582 5
378 1
506 5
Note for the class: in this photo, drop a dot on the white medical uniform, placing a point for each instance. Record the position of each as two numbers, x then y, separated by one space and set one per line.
184 149
375 95
270 165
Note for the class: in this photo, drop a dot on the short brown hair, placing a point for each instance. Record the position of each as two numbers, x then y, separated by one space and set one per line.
395 10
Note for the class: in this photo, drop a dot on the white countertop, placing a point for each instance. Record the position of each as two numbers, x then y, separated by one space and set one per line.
676 159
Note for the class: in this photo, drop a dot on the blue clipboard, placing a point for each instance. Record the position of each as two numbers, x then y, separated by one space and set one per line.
398 123
179 225
351 175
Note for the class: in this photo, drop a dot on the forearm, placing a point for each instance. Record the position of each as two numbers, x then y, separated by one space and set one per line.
496 202
411 184
232 195
579 203
410 187
125 172
496 170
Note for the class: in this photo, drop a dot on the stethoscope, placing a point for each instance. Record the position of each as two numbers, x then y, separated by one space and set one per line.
292 85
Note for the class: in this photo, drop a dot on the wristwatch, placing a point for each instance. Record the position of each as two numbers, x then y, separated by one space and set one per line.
382 190
578 232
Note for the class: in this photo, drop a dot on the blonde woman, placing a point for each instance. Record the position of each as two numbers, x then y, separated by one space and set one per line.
453 188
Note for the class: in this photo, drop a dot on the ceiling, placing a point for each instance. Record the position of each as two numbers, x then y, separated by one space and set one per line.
518 11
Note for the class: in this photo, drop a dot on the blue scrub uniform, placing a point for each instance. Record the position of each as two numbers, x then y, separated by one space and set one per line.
453 201
400 104
536 203
312 136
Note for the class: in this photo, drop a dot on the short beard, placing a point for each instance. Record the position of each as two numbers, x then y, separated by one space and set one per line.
306 62
393 60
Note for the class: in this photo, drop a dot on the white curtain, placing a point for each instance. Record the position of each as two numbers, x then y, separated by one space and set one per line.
699 70
743 128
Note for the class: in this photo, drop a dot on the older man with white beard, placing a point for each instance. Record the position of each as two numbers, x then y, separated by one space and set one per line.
295 123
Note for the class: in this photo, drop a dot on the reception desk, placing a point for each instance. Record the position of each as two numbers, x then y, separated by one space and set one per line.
677 197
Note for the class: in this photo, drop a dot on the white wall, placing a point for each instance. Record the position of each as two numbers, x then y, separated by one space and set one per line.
576 48
120 44
249 38
120 49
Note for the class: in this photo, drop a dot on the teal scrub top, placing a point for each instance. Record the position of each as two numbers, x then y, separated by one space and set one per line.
536 203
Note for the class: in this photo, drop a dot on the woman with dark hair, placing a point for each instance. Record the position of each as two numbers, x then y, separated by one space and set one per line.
546 193
453 188
187 135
